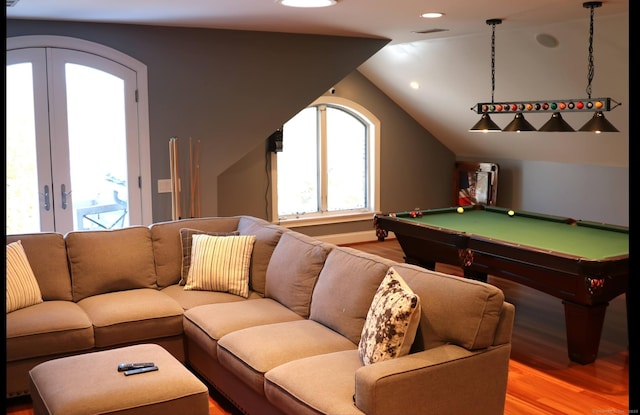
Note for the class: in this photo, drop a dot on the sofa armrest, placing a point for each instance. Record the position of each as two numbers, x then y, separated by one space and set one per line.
446 379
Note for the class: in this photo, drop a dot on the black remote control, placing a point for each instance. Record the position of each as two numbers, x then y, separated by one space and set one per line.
140 370
129 366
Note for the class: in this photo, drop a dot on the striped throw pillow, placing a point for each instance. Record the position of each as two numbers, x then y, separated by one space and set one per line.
186 235
22 286
220 263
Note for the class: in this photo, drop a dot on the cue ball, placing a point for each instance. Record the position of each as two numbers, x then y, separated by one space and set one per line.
511 213
460 210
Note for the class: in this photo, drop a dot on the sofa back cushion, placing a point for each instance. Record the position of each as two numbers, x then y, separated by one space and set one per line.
110 260
293 270
267 237
47 254
454 309
167 244
345 289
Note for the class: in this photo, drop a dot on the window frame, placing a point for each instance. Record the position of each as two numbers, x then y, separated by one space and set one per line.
321 218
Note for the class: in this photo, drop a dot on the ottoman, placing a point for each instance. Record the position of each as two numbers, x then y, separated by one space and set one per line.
91 384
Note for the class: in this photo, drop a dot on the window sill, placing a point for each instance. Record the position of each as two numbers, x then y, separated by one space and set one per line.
324 219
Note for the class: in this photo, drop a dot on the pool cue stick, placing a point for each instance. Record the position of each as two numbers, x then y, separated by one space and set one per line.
175 178
198 206
191 180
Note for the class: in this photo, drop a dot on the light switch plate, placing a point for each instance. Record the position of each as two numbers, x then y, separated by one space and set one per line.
164 186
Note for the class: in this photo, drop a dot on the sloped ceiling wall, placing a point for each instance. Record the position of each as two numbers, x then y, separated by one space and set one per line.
456 74
228 89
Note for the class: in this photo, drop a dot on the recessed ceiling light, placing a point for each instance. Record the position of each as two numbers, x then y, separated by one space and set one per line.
414 85
307 3
432 15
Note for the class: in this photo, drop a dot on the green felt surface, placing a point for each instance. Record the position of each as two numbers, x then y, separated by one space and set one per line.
541 232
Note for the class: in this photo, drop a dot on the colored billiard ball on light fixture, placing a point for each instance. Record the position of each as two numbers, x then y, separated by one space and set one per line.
460 210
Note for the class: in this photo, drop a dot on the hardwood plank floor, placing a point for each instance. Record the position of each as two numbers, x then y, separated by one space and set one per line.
542 379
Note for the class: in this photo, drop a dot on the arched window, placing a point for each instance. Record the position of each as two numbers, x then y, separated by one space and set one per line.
328 168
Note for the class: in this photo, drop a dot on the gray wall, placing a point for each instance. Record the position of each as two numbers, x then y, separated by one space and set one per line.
232 89
578 191
228 89
416 170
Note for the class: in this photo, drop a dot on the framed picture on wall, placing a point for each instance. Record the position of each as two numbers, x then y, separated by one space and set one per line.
475 183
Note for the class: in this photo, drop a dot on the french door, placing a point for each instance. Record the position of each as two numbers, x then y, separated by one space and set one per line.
73 142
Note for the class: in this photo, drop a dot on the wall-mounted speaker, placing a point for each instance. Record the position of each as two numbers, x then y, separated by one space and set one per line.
275 142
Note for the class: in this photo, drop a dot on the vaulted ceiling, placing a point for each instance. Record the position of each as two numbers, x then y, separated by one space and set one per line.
449 57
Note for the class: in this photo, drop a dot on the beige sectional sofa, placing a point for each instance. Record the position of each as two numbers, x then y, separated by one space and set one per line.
292 346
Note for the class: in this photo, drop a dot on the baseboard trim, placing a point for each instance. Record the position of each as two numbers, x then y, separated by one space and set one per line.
349 238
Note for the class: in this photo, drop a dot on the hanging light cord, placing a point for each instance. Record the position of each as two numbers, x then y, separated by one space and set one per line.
493 59
590 70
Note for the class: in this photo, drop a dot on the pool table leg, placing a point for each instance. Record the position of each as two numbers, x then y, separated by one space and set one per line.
584 328
430 265
474 275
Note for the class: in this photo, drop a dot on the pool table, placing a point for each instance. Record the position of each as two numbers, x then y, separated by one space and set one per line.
585 264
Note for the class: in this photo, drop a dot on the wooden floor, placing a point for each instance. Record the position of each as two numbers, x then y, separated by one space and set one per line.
542 380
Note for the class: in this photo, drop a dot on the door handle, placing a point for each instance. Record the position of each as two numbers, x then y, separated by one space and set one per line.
47 205
64 195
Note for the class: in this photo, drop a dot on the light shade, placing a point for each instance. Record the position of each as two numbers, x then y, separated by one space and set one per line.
485 125
519 124
307 3
556 124
599 124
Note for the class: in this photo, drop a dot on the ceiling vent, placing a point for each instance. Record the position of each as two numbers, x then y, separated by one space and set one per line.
426 32
11 3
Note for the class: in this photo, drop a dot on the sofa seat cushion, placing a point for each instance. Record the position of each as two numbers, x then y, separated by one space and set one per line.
132 316
207 324
194 298
48 328
110 260
218 320
345 289
317 384
250 353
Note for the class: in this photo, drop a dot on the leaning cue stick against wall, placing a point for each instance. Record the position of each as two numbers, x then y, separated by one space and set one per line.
194 170
175 178
176 182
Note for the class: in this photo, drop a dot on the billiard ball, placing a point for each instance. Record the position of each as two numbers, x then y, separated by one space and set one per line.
460 210
413 214
511 213
419 213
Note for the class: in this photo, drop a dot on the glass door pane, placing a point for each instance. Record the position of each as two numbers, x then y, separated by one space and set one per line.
97 148
29 204
22 173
